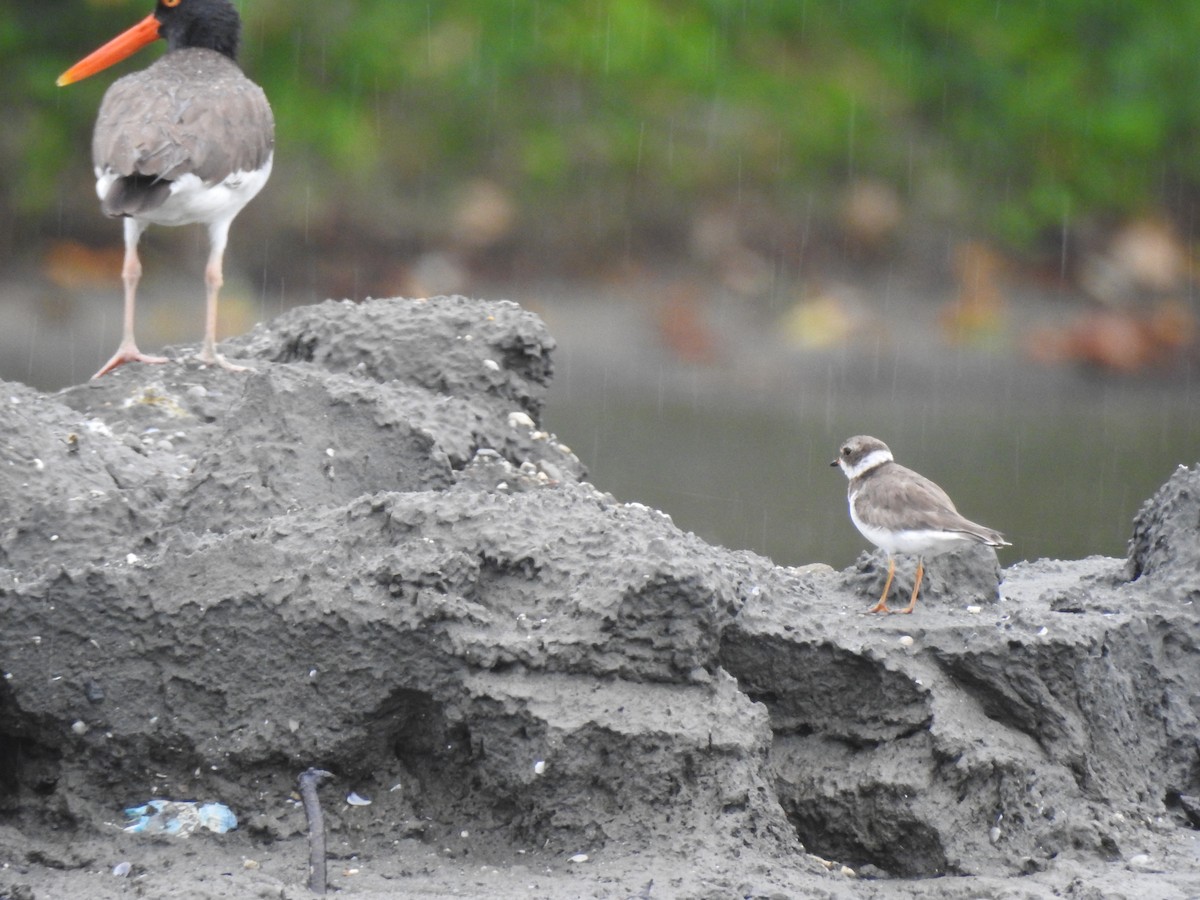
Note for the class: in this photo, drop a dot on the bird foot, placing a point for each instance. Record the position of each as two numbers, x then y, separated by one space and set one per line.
882 607
219 361
125 354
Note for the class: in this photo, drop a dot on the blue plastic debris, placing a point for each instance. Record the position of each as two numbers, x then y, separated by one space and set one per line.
179 818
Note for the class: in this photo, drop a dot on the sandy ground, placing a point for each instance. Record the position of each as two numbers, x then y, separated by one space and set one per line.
368 556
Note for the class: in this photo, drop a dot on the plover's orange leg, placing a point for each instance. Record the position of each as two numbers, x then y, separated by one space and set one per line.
916 587
882 606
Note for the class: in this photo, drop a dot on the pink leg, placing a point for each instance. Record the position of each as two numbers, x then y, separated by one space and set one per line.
213 280
131 274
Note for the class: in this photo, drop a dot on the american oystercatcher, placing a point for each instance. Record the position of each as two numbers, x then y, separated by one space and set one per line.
188 140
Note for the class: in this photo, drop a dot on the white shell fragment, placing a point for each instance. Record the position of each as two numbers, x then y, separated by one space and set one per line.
579 858
539 767
1144 862
906 640
355 800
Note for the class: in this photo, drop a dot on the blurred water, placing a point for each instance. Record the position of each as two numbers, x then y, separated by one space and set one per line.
739 452
1064 486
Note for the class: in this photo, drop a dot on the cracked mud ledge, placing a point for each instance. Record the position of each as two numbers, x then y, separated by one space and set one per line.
368 557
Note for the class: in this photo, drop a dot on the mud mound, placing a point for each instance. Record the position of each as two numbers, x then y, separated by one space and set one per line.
368 556
1164 547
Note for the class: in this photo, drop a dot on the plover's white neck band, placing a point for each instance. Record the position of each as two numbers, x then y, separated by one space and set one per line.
872 460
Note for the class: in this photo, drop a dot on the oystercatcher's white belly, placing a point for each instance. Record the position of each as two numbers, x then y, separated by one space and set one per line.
192 201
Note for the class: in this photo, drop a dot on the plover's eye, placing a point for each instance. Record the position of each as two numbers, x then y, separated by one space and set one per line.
845 451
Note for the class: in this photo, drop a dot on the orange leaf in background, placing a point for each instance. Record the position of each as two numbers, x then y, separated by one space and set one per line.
71 265
977 312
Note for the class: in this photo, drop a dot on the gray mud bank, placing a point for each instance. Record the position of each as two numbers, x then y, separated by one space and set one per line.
367 557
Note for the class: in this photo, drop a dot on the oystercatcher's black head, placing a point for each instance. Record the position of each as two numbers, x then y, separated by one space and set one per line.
214 24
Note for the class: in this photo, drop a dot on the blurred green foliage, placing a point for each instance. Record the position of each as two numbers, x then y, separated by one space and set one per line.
1038 113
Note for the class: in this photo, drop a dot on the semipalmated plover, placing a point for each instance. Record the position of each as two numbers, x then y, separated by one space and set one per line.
900 511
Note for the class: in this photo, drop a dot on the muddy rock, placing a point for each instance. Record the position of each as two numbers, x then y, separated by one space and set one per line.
1164 546
368 556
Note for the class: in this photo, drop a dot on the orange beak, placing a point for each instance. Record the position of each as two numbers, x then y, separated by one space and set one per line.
125 44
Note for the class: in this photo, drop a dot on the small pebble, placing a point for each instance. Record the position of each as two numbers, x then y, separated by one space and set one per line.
491 364
974 609
539 767
79 727
122 869
579 858
906 640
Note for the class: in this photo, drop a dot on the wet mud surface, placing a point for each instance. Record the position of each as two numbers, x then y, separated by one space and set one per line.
368 557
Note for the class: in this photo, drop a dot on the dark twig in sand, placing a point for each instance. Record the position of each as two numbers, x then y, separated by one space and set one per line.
309 779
